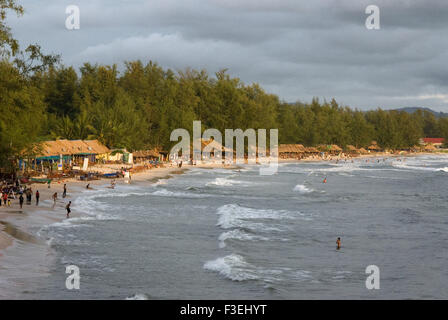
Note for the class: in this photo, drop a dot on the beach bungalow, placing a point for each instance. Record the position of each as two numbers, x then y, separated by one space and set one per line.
363 151
206 146
291 151
352 150
330 148
436 142
311 151
374 147
210 146
146 156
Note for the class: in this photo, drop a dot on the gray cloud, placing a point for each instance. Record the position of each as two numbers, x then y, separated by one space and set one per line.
296 49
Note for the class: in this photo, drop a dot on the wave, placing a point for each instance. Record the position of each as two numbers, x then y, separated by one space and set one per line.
410 167
238 234
226 182
160 182
233 267
138 296
177 194
235 216
222 182
303 189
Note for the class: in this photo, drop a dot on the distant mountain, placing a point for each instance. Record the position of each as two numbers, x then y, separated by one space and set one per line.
414 109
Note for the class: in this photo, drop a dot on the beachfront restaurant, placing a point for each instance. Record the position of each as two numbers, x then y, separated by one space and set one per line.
49 154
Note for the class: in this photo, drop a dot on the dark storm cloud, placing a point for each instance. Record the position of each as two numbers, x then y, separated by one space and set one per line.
296 49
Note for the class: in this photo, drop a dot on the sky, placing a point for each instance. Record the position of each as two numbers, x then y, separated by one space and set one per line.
293 48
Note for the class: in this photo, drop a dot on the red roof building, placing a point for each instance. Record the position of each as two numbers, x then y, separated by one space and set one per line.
433 141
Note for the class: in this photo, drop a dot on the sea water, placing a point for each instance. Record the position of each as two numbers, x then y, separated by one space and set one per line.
234 234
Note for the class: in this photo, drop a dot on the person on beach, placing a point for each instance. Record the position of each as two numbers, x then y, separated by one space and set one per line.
67 207
21 201
29 196
88 186
5 198
37 197
55 197
9 202
64 194
338 243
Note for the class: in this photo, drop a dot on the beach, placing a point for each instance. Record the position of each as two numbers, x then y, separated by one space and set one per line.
28 246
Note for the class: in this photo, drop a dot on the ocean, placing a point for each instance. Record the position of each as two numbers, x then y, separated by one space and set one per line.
234 234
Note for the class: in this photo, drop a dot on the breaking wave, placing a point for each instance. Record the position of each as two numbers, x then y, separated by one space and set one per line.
233 267
303 189
238 234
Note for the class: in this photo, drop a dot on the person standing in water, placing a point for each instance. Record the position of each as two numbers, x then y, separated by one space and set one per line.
338 243
67 207
64 194
21 201
37 197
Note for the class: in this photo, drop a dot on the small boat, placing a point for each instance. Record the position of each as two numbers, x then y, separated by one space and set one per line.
40 180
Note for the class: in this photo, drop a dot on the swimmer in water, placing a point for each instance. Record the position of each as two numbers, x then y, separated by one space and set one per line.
325 180
338 243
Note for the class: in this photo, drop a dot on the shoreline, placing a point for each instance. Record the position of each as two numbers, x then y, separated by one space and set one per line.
11 215
18 226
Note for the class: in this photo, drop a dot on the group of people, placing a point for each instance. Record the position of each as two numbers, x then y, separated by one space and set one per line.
9 192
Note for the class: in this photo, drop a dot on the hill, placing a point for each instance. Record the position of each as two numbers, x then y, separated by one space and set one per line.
414 109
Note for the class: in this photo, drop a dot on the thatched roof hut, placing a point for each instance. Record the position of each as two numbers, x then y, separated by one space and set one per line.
374 147
351 149
311 150
146 154
332 148
363 151
291 148
71 147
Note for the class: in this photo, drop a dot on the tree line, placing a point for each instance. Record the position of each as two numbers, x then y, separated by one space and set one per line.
137 108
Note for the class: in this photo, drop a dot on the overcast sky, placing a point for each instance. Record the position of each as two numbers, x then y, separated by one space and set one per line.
296 49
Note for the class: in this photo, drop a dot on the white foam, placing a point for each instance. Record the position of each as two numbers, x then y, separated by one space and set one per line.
223 182
138 296
233 267
235 216
419 168
238 235
167 193
160 182
227 182
303 189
